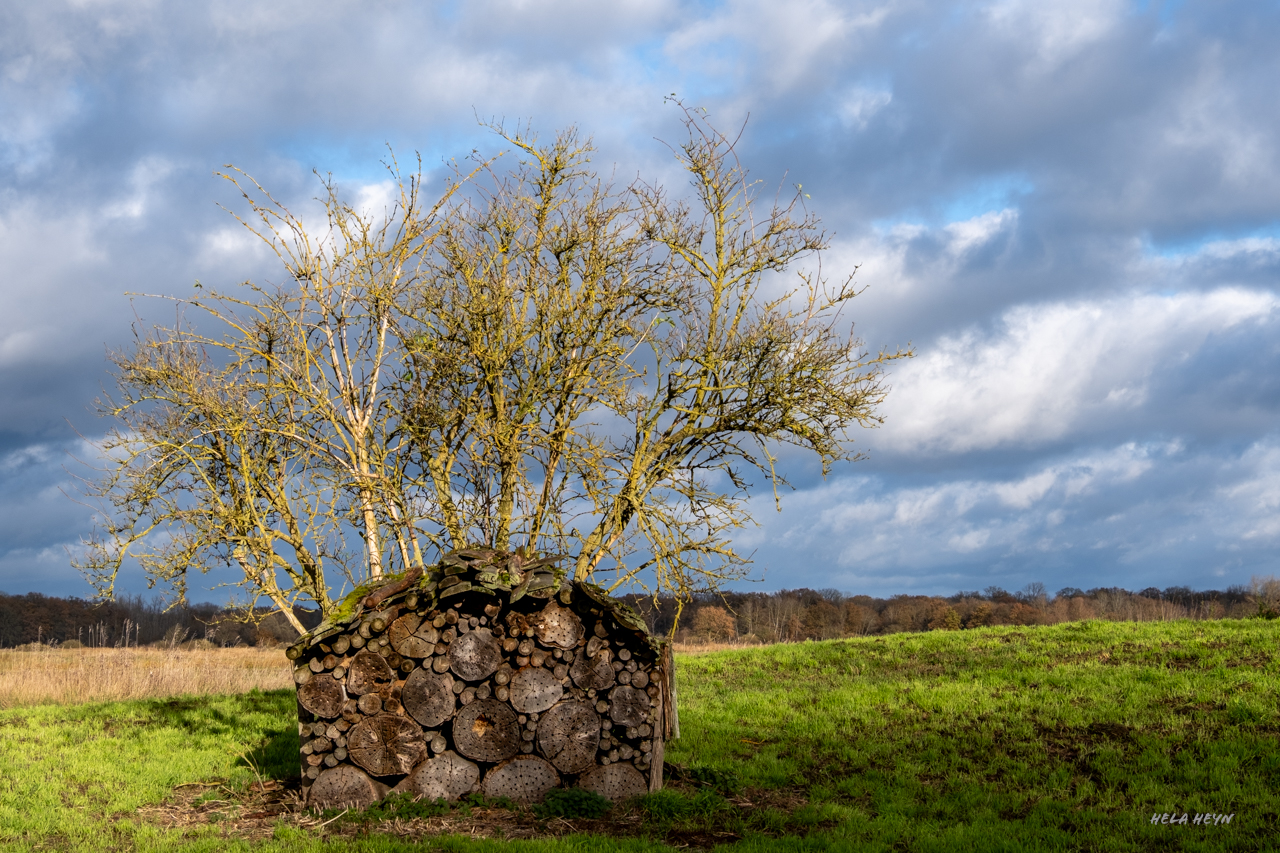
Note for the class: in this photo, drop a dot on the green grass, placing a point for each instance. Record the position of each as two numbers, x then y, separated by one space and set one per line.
1059 738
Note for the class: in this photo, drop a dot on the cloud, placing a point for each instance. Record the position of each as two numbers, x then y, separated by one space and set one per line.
1053 370
1135 514
1072 209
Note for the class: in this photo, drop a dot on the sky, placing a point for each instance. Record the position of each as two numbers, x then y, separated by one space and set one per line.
1071 210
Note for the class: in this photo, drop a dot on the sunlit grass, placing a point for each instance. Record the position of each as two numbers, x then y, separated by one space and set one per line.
1058 738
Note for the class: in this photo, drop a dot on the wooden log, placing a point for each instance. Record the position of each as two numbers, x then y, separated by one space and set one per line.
525 779
595 644
568 736
486 730
592 672
447 776
413 638
615 782
344 787
671 711
558 626
475 655
640 679
534 690
368 673
375 598
322 696
428 697
386 745
628 706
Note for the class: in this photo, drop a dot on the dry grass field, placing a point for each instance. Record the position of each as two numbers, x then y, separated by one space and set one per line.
73 676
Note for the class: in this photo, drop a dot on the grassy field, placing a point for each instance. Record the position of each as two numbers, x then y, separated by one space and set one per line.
1057 738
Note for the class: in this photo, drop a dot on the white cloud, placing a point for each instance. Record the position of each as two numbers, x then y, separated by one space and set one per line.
922 527
1140 504
789 41
1052 33
143 180
860 104
1048 370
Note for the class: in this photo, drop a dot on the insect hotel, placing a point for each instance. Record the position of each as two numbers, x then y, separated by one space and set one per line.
486 673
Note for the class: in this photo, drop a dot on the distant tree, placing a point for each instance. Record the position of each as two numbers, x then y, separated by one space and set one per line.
1266 595
714 623
981 615
943 617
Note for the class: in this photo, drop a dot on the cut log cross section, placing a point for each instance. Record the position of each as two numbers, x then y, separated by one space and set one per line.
368 673
428 696
344 788
534 690
447 776
616 782
486 730
628 706
558 626
322 696
594 672
475 655
386 745
411 637
568 735
525 779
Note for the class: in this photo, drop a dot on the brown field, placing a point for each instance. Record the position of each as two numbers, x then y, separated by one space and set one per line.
72 676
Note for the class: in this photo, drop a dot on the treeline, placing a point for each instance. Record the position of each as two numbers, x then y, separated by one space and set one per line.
752 617
134 621
806 614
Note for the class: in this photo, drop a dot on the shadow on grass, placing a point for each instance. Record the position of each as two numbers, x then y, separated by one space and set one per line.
276 754
278 757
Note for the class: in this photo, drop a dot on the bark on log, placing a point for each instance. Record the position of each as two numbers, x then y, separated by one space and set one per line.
558 626
368 673
486 730
386 745
375 598
322 696
534 690
475 655
615 782
344 787
568 736
428 697
525 779
447 776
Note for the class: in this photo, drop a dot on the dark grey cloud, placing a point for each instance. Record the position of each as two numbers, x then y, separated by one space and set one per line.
1072 209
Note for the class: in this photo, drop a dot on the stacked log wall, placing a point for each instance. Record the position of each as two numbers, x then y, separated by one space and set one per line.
443 695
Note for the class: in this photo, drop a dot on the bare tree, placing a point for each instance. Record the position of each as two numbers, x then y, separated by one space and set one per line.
541 362
263 434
